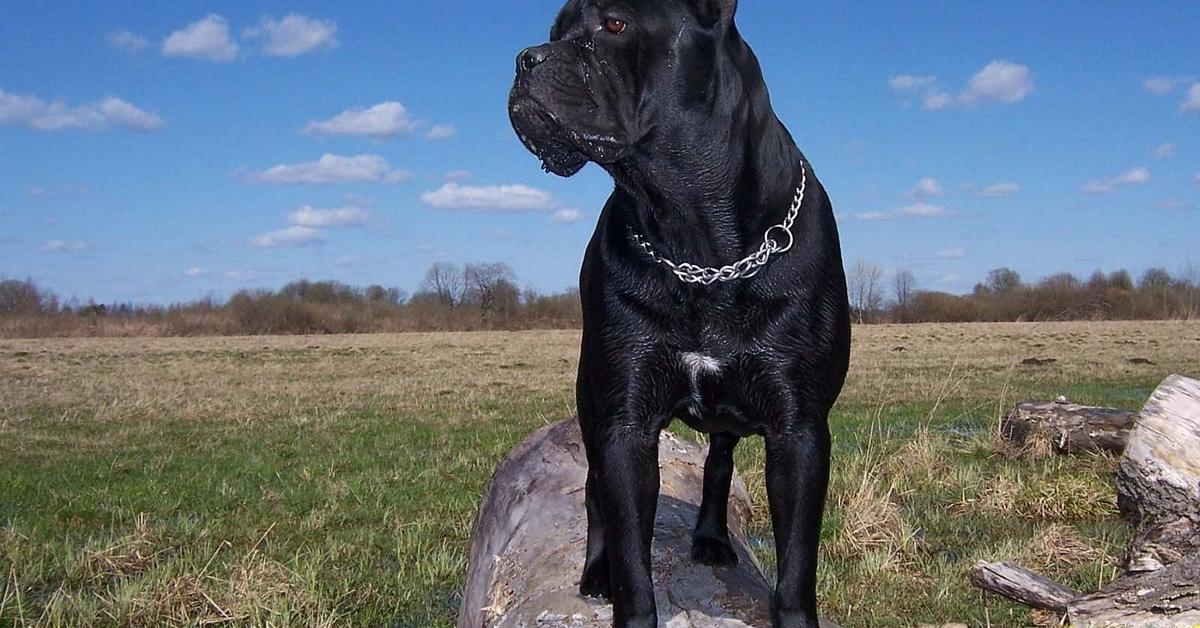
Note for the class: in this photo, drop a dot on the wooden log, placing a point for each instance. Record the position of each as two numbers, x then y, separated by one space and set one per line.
1167 598
1158 480
1069 427
1158 490
1022 586
527 548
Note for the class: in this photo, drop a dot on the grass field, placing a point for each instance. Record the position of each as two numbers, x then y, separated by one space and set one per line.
333 480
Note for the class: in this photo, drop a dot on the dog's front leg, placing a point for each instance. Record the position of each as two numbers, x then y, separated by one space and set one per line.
624 461
797 480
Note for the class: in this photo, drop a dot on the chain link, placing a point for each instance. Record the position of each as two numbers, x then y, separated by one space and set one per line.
746 267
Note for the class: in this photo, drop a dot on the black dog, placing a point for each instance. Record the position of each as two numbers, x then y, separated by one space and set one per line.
667 97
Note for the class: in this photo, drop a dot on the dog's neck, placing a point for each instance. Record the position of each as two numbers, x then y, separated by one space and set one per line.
707 196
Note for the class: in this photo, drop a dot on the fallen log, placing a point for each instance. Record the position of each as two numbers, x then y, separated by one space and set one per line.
1022 586
1168 598
1158 490
1070 428
527 548
1158 480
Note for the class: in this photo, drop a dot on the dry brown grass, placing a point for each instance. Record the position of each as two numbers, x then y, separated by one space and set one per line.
874 528
919 485
130 556
201 378
1058 546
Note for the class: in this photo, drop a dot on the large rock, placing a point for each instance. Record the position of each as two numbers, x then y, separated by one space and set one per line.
527 549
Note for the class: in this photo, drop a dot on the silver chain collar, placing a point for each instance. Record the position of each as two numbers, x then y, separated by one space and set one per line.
746 267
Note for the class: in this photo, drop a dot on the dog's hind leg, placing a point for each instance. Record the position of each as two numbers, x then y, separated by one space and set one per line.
710 541
595 580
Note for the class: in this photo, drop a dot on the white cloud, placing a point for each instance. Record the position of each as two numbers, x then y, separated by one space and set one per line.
1192 102
333 169
999 81
195 271
385 120
205 39
1159 85
926 188
1163 85
128 41
1099 187
954 253
63 246
123 114
291 236
1136 176
999 190
1165 151
441 132
60 191
923 210
458 175
908 82
313 218
241 275
294 35
34 113
873 216
566 216
935 100
495 198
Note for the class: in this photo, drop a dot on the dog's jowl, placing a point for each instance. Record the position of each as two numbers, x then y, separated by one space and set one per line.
713 289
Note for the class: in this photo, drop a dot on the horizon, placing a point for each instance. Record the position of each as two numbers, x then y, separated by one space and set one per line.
1189 275
159 155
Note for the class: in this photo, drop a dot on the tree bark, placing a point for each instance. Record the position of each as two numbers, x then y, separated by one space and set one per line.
1158 480
527 548
1022 586
1167 598
1070 428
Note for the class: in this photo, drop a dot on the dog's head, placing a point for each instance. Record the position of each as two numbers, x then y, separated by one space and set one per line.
612 70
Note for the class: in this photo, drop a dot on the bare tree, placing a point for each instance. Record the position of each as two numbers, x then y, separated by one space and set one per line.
444 280
905 285
866 295
492 288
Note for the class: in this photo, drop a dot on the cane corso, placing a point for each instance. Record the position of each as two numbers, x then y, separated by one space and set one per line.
712 288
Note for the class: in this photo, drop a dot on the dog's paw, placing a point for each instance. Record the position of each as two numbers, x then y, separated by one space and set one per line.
713 552
595 582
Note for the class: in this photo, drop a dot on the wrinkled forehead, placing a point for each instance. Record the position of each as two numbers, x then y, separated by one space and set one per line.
648 12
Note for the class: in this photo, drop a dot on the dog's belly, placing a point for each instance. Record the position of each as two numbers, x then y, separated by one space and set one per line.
709 405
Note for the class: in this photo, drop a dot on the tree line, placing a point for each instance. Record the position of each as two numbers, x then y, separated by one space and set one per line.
1004 296
470 297
486 296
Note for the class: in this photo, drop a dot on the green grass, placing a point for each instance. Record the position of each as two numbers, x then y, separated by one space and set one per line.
334 481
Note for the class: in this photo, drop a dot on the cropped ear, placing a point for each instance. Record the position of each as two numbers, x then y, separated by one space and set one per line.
714 12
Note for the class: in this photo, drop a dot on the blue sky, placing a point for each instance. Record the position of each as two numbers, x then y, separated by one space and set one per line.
158 152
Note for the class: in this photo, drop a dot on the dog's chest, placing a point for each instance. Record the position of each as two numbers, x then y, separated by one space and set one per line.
710 395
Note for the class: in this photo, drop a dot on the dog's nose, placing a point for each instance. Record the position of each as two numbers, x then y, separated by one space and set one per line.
532 57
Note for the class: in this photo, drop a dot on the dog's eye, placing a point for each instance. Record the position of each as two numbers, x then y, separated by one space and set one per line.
614 26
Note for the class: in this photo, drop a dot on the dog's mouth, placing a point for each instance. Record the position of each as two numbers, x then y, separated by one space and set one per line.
543 136
562 149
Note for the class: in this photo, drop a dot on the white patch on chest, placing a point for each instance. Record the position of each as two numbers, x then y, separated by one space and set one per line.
699 364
